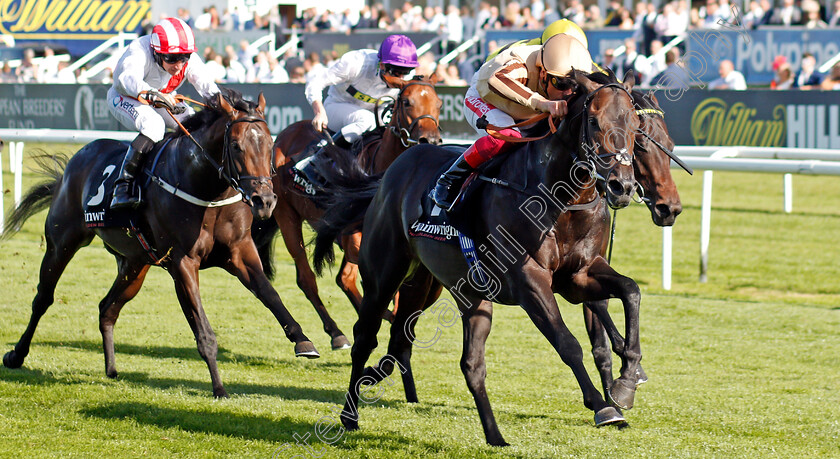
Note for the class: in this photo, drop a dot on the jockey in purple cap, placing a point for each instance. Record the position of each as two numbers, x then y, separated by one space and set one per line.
356 85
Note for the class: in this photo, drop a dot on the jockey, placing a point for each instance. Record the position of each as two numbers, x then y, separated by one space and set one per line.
154 65
356 84
559 26
517 84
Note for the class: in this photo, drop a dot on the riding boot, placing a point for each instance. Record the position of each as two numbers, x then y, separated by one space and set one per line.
341 142
449 184
131 164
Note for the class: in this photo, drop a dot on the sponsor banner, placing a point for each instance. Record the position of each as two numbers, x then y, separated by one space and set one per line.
363 39
79 25
800 119
753 51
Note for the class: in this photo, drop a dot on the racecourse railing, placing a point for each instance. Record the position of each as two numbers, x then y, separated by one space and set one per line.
785 161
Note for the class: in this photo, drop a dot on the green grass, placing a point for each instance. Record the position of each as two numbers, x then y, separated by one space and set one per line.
745 365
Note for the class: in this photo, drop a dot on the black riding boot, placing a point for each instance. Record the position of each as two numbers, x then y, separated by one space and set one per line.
341 142
130 166
449 184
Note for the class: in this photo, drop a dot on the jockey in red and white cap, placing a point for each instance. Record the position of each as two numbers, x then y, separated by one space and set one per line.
356 85
155 65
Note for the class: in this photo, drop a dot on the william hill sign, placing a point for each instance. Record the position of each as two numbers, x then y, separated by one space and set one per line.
80 25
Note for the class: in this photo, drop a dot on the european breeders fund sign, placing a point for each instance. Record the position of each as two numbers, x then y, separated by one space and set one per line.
80 25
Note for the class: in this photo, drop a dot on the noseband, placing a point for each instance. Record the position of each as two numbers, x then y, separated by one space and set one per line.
396 125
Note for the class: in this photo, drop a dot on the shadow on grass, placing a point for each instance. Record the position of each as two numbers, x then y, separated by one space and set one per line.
239 425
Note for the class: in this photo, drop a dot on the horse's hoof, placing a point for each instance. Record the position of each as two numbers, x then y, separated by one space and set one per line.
112 374
497 442
306 349
609 415
641 376
11 360
340 342
350 424
220 393
621 394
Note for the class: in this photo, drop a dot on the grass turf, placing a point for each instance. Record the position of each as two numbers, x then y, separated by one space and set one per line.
743 365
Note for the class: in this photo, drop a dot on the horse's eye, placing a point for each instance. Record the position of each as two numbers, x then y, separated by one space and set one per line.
406 102
593 122
235 146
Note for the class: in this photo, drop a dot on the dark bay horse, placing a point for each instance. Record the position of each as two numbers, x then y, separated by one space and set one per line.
414 120
200 224
523 247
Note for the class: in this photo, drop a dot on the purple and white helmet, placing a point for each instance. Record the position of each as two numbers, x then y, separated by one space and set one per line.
398 51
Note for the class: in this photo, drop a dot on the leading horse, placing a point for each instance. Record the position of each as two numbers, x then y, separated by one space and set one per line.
595 139
414 120
199 222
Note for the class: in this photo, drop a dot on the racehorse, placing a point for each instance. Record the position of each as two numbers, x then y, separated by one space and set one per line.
222 159
414 119
530 260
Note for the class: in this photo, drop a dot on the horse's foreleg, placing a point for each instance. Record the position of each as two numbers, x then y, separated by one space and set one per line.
185 274
477 319
601 352
600 281
246 266
538 301
128 282
60 250
383 269
290 228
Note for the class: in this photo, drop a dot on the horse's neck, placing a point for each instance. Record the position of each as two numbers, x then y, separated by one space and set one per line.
191 169
386 151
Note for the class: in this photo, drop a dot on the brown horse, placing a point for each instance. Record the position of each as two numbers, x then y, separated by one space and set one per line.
202 223
414 120
524 270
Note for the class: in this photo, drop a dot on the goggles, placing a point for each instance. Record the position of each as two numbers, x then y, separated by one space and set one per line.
397 71
174 58
562 83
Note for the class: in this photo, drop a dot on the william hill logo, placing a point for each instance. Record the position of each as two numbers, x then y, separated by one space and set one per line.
714 122
70 19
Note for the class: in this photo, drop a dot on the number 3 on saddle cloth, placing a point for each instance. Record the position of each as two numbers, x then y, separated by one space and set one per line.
100 187
306 174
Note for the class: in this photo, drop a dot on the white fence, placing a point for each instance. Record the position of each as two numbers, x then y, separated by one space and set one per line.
785 161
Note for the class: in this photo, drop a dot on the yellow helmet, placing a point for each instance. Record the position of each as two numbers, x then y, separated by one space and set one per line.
567 27
561 53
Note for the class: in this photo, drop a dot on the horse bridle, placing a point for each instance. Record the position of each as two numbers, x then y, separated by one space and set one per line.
404 134
227 170
658 112
587 138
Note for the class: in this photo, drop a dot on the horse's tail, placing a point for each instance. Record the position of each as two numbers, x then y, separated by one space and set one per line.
263 233
39 196
344 213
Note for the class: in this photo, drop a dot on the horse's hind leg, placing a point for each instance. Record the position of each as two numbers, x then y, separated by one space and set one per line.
477 318
61 246
349 270
600 344
290 227
185 274
128 282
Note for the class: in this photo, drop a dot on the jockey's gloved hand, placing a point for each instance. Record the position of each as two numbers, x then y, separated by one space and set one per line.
158 99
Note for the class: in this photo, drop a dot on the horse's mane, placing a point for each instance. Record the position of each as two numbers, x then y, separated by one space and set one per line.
213 110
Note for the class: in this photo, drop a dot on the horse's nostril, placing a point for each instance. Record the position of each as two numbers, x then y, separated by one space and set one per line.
676 209
257 201
423 140
663 210
616 187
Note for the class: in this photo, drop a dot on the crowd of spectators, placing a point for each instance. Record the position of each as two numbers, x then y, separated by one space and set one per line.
652 26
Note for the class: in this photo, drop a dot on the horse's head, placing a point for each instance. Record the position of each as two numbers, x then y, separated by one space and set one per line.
607 130
246 151
416 114
652 164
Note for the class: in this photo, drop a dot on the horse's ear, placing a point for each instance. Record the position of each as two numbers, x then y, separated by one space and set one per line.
434 78
227 107
629 80
584 80
261 104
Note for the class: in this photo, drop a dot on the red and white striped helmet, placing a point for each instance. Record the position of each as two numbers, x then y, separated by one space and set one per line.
173 36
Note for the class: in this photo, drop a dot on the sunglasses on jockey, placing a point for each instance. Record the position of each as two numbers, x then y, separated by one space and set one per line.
174 58
397 71
562 83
